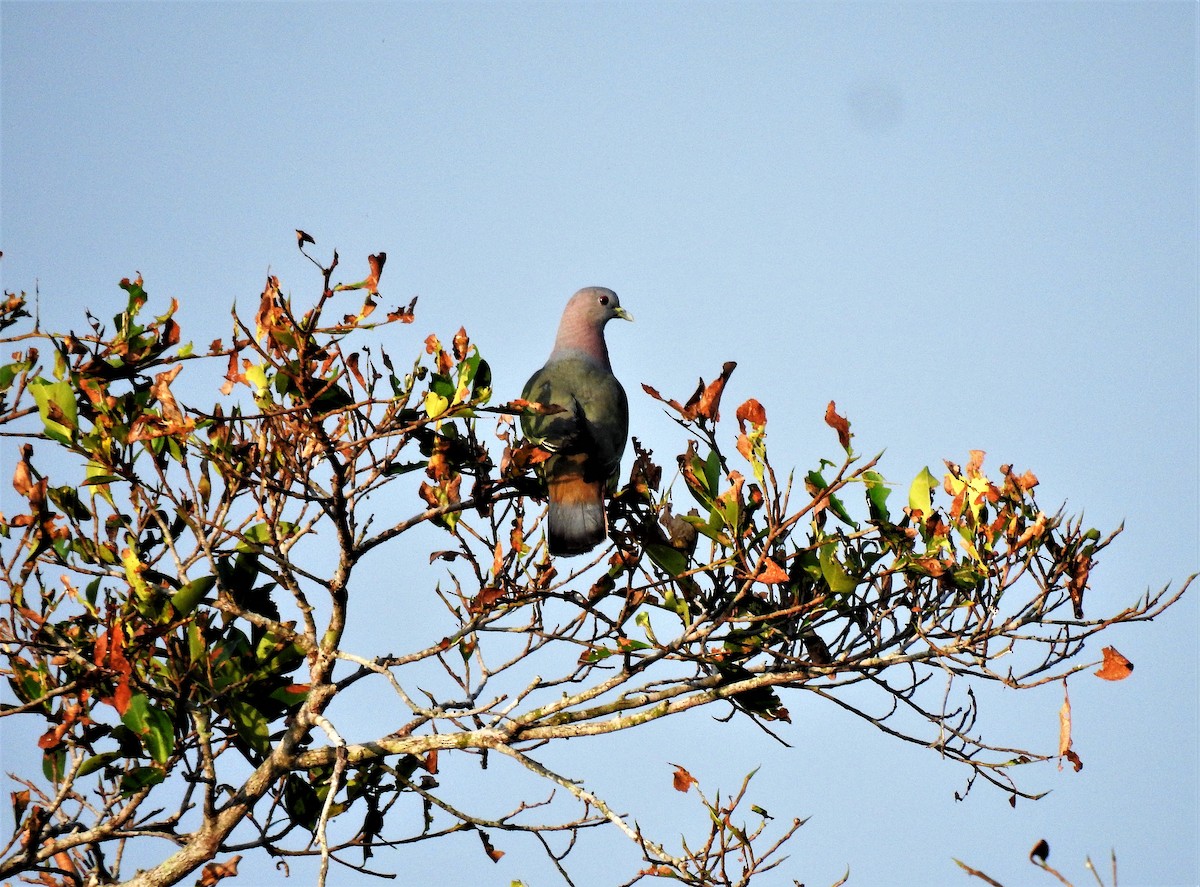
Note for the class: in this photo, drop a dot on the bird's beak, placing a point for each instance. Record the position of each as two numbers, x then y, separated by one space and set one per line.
623 314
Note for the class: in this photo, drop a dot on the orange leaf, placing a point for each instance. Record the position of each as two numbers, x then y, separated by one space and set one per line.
838 424
682 780
753 412
216 871
376 265
23 476
772 573
404 315
483 601
1116 667
460 343
491 851
710 401
430 762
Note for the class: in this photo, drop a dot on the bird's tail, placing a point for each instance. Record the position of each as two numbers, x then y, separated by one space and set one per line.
576 521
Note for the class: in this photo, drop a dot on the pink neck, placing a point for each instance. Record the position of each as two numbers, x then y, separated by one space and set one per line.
580 335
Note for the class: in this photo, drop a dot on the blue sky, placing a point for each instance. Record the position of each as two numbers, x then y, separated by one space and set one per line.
971 225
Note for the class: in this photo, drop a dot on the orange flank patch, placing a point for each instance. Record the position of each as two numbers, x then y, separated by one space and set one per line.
574 490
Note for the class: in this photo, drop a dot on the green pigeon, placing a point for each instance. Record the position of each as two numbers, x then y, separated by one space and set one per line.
586 436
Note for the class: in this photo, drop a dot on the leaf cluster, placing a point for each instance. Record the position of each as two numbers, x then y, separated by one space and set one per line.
179 575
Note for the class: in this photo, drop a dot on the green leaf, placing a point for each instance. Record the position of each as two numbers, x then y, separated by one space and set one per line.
712 470
667 558
713 527
643 620
920 493
877 494
262 534
152 725
816 481
68 502
301 802
481 383
251 726
256 375
54 763
97 762
840 582
139 778
197 649
188 598
56 405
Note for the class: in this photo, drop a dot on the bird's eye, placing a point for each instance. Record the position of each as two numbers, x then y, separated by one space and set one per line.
604 300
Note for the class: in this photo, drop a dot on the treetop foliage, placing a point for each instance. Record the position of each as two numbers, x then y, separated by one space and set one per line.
179 576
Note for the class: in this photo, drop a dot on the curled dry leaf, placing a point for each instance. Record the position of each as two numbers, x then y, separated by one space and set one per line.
376 264
1064 733
839 424
1040 852
216 871
1116 667
681 779
491 851
710 400
1064 724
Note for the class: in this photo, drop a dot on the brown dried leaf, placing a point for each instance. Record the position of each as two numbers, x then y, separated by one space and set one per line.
404 315
838 424
1040 852
232 376
753 412
460 344
771 573
491 851
709 404
1079 569
1116 667
217 871
1064 733
376 264
483 601
682 780
161 389
352 363
303 238
23 481
1064 723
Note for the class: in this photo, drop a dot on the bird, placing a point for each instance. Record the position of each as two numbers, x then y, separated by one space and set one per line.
586 435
